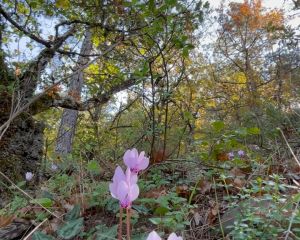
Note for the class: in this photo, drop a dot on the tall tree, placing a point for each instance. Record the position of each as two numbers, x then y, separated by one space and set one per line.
29 87
69 117
247 34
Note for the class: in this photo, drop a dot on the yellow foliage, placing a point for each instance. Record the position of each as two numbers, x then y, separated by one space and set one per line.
240 77
112 69
93 69
62 4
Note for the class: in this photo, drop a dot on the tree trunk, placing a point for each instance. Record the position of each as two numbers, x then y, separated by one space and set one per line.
69 117
21 141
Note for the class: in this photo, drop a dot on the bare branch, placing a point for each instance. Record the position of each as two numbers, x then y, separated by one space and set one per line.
22 29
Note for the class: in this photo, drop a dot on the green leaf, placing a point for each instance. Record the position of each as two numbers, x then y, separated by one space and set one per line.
93 166
185 52
74 213
105 233
155 221
241 132
296 198
253 130
218 125
45 202
139 236
188 115
41 236
171 3
70 229
152 5
161 211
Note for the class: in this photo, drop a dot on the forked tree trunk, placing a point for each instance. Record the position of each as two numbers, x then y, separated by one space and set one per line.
21 140
69 117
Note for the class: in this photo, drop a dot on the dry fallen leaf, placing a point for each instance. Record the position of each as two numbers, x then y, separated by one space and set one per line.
238 182
6 220
197 218
205 186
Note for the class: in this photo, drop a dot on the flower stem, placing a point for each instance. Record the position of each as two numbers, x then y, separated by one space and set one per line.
120 224
128 222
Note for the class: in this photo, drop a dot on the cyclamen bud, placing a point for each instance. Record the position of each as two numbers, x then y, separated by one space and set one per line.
54 167
28 176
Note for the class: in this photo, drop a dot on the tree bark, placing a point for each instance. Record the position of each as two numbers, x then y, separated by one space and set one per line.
21 140
69 117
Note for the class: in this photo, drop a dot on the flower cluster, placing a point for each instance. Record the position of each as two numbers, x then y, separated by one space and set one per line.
124 185
125 189
240 154
154 236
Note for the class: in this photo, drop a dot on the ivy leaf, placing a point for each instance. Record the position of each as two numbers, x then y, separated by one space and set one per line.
74 213
41 236
70 229
161 211
105 233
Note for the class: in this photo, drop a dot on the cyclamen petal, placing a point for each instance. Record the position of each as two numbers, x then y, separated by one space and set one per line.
144 164
173 236
122 191
130 157
134 192
119 175
135 161
113 189
153 236
117 178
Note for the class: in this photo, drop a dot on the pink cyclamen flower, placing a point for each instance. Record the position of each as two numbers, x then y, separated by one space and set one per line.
135 161
231 155
173 236
28 176
124 187
153 236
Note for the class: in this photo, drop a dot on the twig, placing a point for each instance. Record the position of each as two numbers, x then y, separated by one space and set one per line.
291 150
288 232
36 228
27 195
217 201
